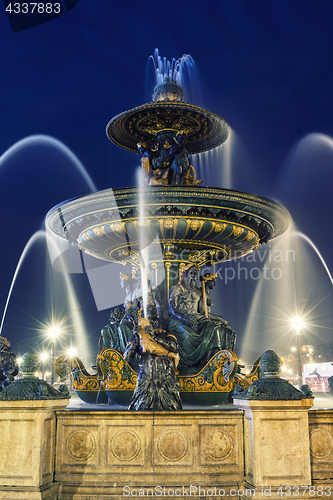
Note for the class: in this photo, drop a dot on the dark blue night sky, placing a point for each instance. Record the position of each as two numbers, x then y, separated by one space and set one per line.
265 66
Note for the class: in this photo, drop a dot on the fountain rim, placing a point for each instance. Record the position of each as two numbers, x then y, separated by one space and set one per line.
252 203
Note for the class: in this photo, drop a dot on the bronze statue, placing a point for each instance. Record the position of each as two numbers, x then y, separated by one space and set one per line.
123 320
8 363
199 337
166 160
208 283
157 385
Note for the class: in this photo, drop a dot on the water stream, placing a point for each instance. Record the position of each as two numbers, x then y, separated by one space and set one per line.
15 157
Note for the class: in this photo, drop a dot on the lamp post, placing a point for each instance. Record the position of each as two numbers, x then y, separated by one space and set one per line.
53 334
298 324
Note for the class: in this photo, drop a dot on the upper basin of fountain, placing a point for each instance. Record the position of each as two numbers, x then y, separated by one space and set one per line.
168 111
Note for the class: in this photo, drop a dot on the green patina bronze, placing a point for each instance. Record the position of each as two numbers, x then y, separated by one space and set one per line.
30 387
270 387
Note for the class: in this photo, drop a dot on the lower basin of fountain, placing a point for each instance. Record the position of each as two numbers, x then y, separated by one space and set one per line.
227 224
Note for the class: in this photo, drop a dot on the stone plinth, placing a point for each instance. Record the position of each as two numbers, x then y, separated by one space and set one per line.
102 455
276 442
27 449
321 446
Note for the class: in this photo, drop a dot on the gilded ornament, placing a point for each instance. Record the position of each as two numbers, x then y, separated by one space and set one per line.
99 231
123 253
118 227
219 227
195 224
169 255
194 256
168 223
238 230
86 236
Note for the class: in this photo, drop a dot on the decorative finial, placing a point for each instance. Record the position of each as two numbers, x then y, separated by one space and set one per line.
271 387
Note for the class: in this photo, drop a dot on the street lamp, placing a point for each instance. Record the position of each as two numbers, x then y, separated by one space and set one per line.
298 325
53 334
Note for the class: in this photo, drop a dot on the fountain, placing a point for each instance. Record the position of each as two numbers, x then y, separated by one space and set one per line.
166 231
180 226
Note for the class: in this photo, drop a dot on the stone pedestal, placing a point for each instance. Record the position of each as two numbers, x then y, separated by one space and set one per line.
27 449
104 455
276 442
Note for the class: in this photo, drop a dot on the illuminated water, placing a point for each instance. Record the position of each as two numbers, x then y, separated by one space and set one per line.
215 167
305 287
69 321
142 242
307 167
41 140
16 159
294 281
173 70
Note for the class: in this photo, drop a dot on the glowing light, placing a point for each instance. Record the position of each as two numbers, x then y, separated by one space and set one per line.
297 323
43 356
19 360
72 352
53 332
293 348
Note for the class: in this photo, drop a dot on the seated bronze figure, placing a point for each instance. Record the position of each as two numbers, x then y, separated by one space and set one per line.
199 336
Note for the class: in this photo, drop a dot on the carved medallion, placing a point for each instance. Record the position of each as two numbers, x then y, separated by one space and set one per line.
218 445
81 445
321 443
125 445
172 445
